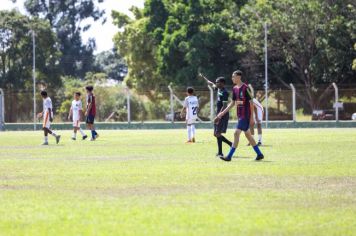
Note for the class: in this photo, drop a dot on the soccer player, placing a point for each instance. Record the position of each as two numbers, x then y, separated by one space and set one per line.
222 101
91 112
242 100
191 106
258 111
76 111
47 115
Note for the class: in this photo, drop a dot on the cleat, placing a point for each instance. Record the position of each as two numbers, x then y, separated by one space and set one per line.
44 144
219 155
259 144
225 158
248 144
193 140
92 139
84 137
259 157
74 139
58 138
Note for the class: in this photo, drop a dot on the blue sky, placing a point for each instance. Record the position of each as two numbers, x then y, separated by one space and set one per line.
103 34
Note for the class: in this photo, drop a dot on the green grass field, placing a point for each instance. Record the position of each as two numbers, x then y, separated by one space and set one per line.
151 183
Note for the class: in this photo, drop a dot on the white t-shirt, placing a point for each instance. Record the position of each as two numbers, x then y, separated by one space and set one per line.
76 108
47 104
191 105
257 104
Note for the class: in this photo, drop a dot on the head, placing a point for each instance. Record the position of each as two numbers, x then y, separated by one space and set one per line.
220 82
77 96
190 91
44 94
89 89
236 77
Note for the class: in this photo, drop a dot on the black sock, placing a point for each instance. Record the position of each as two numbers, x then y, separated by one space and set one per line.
219 145
225 140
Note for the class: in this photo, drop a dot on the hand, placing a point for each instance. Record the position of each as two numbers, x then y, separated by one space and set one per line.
51 119
181 115
39 115
252 122
217 120
86 113
68 117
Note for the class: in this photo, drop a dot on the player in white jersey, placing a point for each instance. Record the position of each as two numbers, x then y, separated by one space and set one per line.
191 108
76 112
47 115
258 110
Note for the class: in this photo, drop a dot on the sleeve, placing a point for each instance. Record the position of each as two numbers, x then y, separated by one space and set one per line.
186 102
226 96
90 99
248 94
48 104
80 107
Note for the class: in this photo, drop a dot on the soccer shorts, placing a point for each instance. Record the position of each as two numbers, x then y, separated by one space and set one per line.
243 124
90 119
191 121
46 121
259 117
221 127
76 123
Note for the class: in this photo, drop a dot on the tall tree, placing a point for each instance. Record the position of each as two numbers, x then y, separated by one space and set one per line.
66 18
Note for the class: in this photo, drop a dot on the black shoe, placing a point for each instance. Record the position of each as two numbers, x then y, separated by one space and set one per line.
225 158
259 157
85 136
74 139
259 144
219 155
248 144
58 137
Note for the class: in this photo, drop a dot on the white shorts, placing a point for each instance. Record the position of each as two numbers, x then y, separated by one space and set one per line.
76 123
46 122
190 121
259 117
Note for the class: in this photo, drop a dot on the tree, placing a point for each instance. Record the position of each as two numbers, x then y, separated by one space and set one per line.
112 64
66 18
310 41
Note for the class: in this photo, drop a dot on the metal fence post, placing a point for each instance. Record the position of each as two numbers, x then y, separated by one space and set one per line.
171 98
212 115
2 110
336 102
128 104
294 102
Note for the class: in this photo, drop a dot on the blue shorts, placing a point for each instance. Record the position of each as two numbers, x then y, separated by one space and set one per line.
243 124
90 119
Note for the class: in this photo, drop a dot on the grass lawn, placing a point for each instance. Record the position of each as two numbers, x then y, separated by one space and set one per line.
151 183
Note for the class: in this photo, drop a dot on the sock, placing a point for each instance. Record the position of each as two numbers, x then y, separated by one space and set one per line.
54 134
46 139
257 150
225 140
260 138
189 130
231 153
93 134
74 135
81 132
219 145
193 131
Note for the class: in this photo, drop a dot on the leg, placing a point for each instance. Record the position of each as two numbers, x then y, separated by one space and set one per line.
254 145
219 140
189 130
193 133
234 145
259 130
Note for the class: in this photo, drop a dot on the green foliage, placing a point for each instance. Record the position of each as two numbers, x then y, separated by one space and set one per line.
111 64
16 51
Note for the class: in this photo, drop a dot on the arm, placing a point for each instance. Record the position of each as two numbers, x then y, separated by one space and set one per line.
70 113
89 106
206 80
50 114
252 108
182 112
226 110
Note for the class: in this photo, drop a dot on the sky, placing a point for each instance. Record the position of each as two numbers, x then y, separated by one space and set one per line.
103 34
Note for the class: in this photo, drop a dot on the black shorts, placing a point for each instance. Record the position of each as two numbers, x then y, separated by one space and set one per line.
221 127
90 119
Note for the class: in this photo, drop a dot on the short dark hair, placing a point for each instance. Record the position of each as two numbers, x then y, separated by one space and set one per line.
237 72
190 90
221 80
89 88
78 93
44 93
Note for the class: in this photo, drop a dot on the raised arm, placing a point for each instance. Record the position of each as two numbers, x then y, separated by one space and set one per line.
206 80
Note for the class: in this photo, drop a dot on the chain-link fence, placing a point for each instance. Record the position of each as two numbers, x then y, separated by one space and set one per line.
119 104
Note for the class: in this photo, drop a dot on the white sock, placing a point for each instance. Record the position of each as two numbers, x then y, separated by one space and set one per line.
54 134
189 129
260 138
193 131
74 135
81 132
46 139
